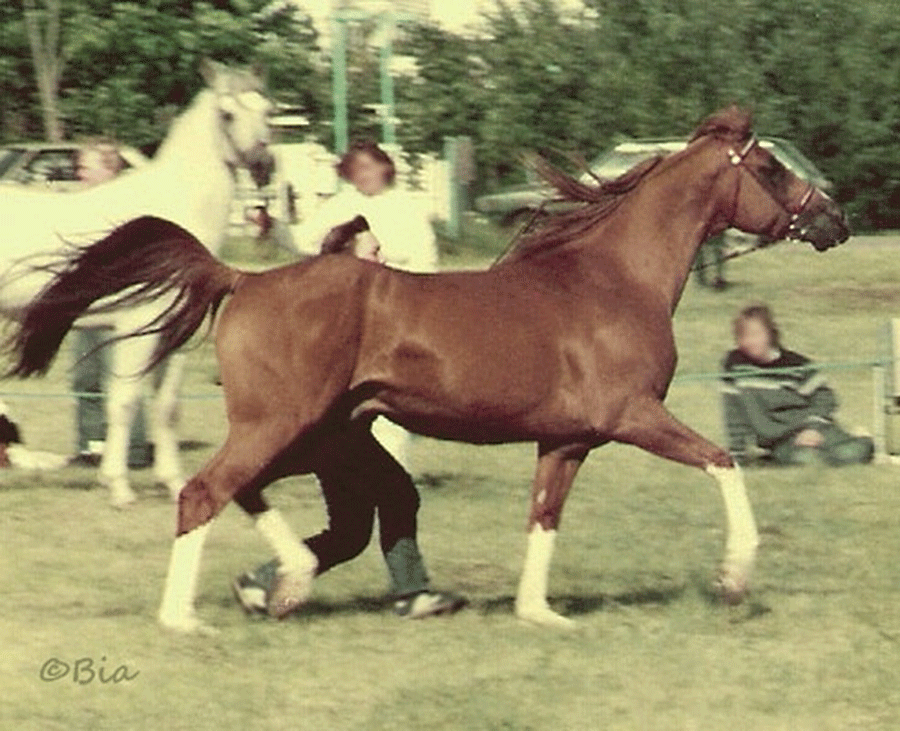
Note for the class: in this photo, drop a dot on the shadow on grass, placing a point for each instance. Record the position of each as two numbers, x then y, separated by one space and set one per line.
581 604
572 605
442 480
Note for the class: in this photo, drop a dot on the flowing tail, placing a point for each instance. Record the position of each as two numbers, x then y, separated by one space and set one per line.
139 262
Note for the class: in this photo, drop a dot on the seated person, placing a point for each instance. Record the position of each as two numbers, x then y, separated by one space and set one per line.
789 414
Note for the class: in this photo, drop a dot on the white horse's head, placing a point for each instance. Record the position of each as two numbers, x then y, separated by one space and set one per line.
243 116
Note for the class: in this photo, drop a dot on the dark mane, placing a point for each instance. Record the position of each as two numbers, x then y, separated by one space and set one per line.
596 202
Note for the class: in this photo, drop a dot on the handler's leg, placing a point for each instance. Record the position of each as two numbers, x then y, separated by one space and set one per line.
357 477
87 378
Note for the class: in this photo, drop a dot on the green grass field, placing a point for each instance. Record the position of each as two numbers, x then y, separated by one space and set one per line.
815 648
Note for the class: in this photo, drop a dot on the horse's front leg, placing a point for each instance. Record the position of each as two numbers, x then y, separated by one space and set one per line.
164 420
556 470
650 426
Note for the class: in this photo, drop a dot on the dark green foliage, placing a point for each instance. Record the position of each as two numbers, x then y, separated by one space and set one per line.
131 65
822 73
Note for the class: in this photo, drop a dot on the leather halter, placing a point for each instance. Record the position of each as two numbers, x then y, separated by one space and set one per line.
738 159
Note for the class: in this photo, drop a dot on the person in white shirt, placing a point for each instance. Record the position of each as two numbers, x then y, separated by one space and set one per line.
383 226
400 225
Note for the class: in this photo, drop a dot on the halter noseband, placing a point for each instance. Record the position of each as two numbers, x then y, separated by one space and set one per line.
738 159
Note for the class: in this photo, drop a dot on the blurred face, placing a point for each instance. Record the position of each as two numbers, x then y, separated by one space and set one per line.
754 341
92 167
368 175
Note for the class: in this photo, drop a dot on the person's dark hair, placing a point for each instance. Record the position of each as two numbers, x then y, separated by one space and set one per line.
370 148
760 313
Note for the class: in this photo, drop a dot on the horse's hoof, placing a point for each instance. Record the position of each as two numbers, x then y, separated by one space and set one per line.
291 590
122 500
188 625
730 589
120 493
543 616
174 487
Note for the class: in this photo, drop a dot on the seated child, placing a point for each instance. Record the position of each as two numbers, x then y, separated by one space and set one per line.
788 414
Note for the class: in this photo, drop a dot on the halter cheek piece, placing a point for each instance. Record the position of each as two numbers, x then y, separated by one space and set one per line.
738 159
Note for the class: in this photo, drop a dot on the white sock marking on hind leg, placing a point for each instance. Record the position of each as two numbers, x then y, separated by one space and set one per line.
740 546
294 555
177 609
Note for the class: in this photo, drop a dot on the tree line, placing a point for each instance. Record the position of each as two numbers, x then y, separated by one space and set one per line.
823 73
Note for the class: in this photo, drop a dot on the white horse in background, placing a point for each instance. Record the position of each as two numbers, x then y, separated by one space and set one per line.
191 181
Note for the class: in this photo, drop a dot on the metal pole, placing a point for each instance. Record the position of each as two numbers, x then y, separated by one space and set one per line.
339 84
451 154
388 126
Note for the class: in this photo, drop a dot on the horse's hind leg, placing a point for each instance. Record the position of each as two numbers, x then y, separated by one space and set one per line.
650 426
556 471
126 388
163 423
242 467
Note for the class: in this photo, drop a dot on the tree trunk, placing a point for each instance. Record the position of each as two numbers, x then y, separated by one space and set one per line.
46 53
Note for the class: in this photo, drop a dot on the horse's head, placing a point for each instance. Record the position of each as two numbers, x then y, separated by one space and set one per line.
243 112
769 199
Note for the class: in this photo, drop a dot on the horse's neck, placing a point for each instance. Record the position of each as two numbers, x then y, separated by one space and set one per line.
654 236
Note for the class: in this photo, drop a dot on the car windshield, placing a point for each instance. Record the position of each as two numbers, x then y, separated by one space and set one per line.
793 159
8 157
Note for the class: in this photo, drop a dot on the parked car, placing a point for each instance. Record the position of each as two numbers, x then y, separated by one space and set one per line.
518 203
52 165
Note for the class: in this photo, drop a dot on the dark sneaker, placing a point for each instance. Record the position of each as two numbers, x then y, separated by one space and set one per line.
251 595
429 604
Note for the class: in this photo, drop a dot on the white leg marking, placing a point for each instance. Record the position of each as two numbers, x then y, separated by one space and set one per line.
177 609
531 600
298 564
743 539
293 554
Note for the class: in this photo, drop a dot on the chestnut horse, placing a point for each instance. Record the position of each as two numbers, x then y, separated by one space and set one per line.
566 342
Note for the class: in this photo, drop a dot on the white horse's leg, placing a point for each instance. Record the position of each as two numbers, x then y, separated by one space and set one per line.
177 610
742 540
126 388
164 419
531 599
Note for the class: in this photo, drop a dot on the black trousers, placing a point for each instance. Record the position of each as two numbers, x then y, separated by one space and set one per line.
358 482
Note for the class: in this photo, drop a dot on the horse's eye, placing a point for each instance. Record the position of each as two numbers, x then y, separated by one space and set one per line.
227 116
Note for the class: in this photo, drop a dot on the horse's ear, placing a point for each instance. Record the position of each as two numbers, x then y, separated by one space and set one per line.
258 72
732 123
210 71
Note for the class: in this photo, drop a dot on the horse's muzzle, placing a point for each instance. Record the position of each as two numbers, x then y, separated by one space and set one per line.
824 227
261 164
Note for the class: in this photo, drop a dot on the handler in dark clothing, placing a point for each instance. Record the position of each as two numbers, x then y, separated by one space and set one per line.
789 414
360 479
